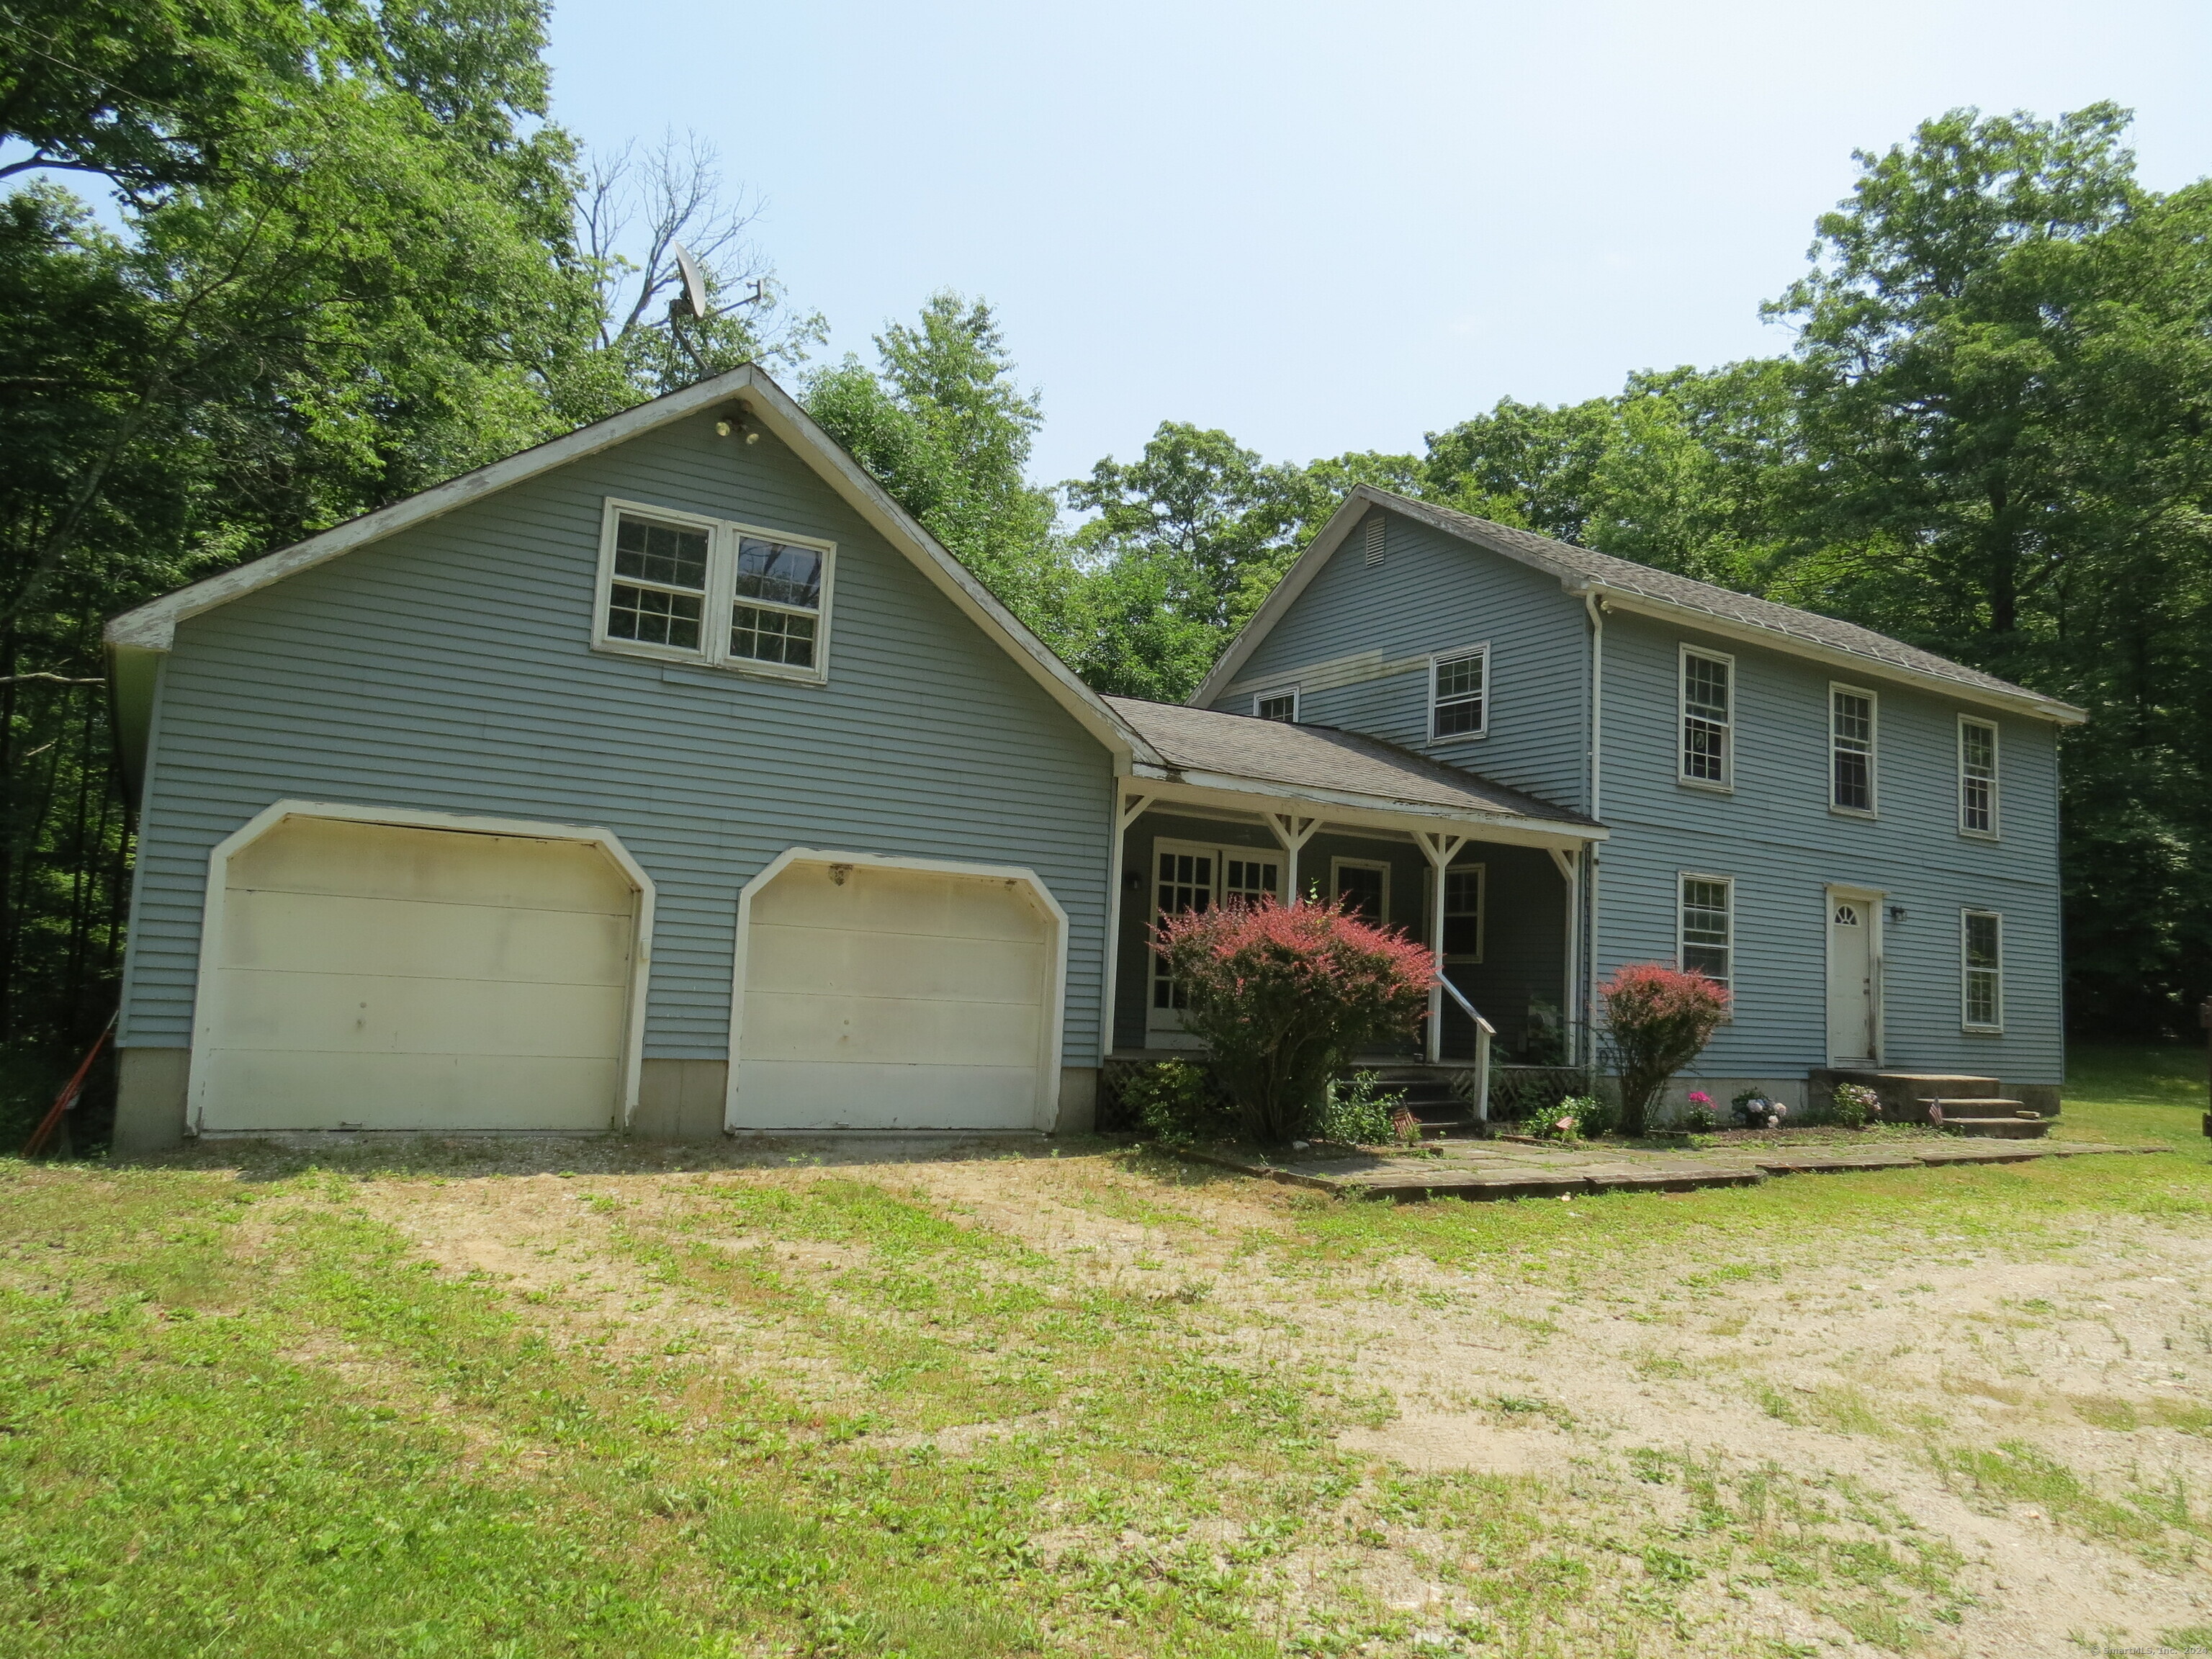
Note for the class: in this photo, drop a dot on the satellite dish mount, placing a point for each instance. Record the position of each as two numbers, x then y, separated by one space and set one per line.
689 305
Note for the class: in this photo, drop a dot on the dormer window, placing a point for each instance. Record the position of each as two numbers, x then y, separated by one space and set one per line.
686 588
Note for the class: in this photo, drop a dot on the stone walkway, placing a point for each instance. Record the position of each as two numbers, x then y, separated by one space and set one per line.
1513 1168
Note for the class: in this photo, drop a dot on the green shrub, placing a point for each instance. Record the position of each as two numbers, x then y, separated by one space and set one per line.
1576 1118
1357 1112
1175 1103
1855 1105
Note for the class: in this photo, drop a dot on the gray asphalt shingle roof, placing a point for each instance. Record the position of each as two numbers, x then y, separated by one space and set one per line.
1321 758
1625 575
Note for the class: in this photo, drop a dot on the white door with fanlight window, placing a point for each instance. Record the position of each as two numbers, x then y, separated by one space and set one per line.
1854 978
1188 876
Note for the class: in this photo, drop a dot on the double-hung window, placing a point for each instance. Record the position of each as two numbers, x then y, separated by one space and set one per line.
1981 969
1463 893
1459 693
1707 938
1277 705
1977 777
1851 749
1708 756
685 588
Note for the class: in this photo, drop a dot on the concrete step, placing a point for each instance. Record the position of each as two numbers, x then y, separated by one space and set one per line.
1991 1116
1905 1095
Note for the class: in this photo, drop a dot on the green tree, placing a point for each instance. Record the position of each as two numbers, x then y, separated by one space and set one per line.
944 425
2004 388
342 273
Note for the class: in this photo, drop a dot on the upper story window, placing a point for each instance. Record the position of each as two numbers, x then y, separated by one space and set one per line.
1459 693
1708 750
1981 969
686 588
1851 749
1706 942
1978 776
1277 705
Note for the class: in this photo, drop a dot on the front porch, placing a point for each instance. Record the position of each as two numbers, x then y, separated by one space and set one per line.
1491 878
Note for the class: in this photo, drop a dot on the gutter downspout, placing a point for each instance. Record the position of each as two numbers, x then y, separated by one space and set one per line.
1595 608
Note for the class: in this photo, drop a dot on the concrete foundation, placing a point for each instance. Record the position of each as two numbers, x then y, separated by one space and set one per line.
150 1100
680 1100
1079 1101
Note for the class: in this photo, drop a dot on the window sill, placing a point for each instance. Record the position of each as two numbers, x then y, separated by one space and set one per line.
716 673
679 669
1457 737
1859 812
1706 784
1981 1030
1992 837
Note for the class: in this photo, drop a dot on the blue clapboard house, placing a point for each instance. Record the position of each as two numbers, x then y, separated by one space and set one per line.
668 778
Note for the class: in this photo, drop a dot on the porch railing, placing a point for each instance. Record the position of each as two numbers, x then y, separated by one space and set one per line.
1485 1032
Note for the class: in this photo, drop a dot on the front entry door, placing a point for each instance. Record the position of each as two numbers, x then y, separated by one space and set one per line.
1854 978
1190 877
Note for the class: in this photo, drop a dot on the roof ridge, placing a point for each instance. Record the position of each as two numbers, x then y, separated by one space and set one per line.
1727 605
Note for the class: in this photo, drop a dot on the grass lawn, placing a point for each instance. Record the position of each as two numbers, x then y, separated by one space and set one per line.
639 1401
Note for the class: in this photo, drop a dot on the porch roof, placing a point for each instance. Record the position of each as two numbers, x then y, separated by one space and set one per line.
1324 763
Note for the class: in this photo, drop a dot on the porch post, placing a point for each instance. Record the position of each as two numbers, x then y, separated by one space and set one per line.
1570 868
1293 832
1127 809
1440 849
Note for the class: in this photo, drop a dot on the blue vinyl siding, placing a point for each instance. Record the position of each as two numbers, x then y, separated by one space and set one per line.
449 668
1776 837
1434 593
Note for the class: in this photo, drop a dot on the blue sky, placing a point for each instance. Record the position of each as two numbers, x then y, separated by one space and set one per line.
1332 227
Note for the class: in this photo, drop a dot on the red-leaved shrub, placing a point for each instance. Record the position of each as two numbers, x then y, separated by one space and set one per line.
1659 1018
1284 998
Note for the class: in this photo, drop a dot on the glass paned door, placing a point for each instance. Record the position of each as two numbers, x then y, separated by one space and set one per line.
1187 877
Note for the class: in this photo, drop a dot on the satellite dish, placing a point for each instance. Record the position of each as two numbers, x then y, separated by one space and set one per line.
694 285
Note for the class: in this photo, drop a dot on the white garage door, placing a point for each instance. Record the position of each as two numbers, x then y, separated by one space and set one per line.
879 999
390 978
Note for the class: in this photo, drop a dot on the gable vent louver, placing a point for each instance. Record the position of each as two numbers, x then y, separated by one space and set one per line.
1374 538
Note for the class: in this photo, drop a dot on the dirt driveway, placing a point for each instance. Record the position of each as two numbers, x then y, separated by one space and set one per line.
1949 1411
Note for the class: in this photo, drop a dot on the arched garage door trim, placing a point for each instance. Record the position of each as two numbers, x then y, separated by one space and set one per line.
208 1012
1048 1084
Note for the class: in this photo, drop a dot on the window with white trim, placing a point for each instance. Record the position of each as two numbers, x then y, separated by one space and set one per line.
1459 694
1708 755
1851 749
691 589
1277 705
1981 970
1978 776
1463 893
1706 939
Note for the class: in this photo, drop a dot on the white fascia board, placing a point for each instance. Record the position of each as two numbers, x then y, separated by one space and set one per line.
1349 807
2025 702
1294 582
153 626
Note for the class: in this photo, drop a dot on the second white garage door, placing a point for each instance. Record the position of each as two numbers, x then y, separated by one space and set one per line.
383 977
877 997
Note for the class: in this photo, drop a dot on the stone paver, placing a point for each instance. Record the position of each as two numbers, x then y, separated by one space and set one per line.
1516 1169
